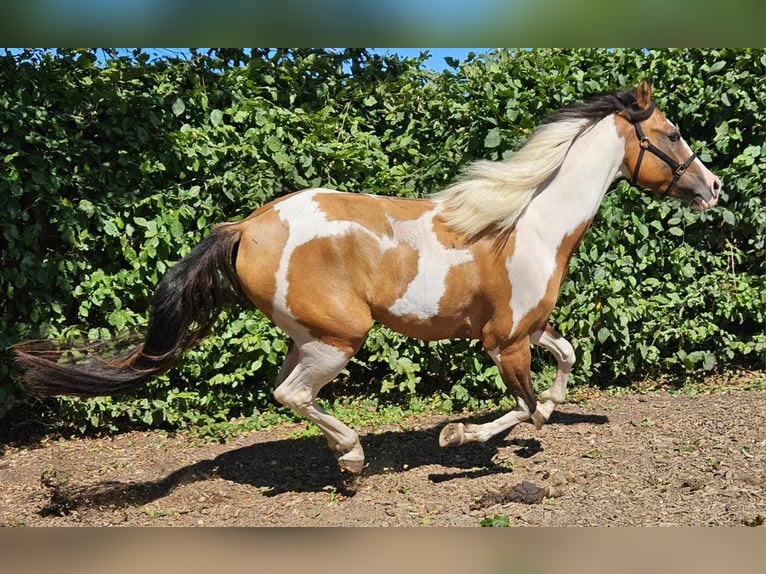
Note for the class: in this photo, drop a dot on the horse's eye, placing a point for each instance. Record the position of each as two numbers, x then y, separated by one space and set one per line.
674 136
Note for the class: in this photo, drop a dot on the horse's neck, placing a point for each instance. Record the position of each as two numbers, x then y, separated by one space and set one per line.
554 222
572 198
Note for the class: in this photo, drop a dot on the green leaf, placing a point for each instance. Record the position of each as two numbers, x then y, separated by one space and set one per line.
176 230
273 144
717 66
492 139
496 521
178 107
111 229
216 118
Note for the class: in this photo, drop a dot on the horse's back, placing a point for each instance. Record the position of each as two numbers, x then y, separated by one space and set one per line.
321 253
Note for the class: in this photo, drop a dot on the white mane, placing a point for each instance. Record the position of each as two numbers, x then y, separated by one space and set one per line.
496 192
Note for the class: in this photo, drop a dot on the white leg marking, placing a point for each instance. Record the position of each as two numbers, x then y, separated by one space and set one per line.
546 409
291 360
565 357
484 432
317 364
455 434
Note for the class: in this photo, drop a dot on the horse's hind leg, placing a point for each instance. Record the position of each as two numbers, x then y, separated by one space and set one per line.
311 365
565 357
291 360
514 365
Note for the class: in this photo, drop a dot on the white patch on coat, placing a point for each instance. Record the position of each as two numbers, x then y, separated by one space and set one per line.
429 285
570 200
306 221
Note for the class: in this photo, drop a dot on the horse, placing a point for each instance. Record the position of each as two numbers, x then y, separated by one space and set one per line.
483 259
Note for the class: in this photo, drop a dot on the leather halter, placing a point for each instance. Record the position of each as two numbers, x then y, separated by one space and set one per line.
679 168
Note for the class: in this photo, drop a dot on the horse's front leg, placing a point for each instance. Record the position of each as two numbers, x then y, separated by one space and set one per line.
565 357
513 362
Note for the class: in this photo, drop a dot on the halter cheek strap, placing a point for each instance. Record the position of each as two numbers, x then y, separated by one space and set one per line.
679 168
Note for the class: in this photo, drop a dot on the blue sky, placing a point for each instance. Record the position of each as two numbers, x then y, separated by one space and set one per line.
436 61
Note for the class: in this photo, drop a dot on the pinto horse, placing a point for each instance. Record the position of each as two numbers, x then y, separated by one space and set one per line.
483 259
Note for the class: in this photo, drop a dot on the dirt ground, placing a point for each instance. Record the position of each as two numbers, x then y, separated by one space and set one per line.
631 460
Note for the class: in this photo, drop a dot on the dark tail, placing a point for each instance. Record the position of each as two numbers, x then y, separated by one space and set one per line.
188 300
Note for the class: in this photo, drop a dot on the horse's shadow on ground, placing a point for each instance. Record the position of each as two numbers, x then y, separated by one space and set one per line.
307 465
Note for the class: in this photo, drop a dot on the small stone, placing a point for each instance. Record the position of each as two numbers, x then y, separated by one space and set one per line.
558 481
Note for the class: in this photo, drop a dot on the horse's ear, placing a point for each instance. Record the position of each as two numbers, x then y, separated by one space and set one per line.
644 94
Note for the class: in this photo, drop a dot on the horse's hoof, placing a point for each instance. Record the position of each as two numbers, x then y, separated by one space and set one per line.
351 466
549 395
538 419
352 461
453 434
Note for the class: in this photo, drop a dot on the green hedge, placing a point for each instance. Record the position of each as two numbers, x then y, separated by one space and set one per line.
115 164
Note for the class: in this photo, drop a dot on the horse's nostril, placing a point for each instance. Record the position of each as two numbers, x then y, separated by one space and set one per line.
716 185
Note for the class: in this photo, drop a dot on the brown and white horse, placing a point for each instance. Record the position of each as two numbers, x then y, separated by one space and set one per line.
483 259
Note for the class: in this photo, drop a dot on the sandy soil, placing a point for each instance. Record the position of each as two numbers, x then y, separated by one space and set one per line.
649 459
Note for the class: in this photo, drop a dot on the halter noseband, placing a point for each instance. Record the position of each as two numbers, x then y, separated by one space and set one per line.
679 168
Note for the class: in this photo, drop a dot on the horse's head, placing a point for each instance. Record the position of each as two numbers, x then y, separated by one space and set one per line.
657 157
